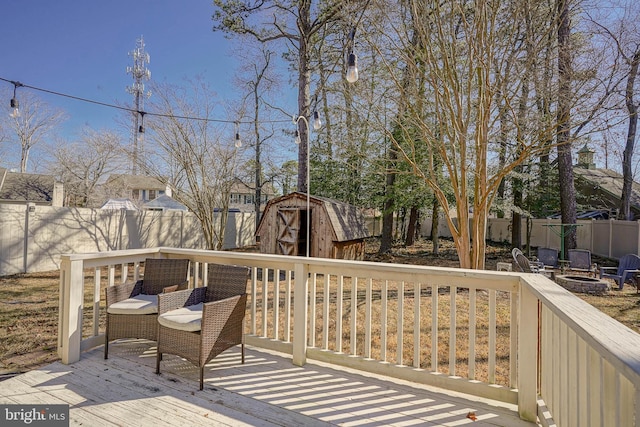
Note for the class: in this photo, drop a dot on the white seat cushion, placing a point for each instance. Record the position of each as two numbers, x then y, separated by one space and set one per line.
140 304
185 318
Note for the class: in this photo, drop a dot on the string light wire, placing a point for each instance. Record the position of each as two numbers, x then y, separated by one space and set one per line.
119 107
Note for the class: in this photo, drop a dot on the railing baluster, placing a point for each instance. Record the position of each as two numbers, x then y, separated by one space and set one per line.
354 311
416 325
472 333
254 302
276 304
400 320
312 311
383 320
453 291
325 315
265 300
513 340
367 320
287 309
492 336
96 302
339 312
434 328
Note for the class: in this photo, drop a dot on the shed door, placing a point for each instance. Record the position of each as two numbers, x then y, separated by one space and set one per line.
288 221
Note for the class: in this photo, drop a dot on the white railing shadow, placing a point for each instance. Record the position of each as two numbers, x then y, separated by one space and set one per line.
516 338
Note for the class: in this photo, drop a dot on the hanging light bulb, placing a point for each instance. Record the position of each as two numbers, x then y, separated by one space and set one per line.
238 142
352 68
297 140
317 123
16 111
14 101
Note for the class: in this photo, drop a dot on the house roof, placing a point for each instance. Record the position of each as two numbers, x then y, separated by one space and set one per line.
136 182
166 203
26 187
346 220
240 187
609 183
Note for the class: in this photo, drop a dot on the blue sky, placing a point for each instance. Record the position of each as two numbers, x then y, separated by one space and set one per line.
80 48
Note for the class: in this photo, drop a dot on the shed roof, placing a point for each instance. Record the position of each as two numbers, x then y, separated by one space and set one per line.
120 204
166 203
346 220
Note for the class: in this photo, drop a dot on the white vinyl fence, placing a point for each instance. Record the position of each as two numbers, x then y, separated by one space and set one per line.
32 238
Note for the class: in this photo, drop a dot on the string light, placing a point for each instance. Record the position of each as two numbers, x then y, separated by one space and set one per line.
352 62
238 142
14 101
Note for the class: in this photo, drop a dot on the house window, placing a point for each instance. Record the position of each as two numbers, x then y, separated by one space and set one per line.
152 194
135 194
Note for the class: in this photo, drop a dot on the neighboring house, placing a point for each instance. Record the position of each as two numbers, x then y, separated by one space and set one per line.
601 189
138 188
242 196
164 203
21 188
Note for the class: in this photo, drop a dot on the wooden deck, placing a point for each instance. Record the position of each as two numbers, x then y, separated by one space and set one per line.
268 390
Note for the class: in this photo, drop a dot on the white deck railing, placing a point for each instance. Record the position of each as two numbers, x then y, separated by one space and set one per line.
517 338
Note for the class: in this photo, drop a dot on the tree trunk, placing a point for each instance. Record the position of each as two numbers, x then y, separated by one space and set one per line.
565 163
412 226
625 208
386 241
435 225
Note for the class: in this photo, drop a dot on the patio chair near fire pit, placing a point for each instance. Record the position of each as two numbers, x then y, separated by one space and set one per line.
201 323
524 265
626 270
132 308
580 260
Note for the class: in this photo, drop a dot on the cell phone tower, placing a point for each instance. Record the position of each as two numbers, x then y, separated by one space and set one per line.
140 74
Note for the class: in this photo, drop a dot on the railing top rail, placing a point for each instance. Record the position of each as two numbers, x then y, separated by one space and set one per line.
505 281
617 343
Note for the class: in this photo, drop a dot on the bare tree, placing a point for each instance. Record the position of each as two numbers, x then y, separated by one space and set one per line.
460 48
296 23
192 155
35 121
82 165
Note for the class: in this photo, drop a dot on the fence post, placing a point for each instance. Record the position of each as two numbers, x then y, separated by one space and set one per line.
300 308
528 355
70 310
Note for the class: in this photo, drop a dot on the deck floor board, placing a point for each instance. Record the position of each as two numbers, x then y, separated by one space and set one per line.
268 390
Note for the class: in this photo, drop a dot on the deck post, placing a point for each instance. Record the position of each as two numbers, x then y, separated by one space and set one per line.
70 310
300 308
528 355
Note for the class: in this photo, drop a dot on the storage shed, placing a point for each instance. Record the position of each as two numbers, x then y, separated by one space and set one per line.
337 229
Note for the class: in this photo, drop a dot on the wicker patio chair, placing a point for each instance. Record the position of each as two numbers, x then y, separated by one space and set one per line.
132 308
626 271
201 323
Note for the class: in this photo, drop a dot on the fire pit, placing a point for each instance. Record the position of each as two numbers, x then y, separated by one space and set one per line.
583 284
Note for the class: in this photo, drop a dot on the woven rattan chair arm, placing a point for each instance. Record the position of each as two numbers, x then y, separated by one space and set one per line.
121 292
222 316
177 299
